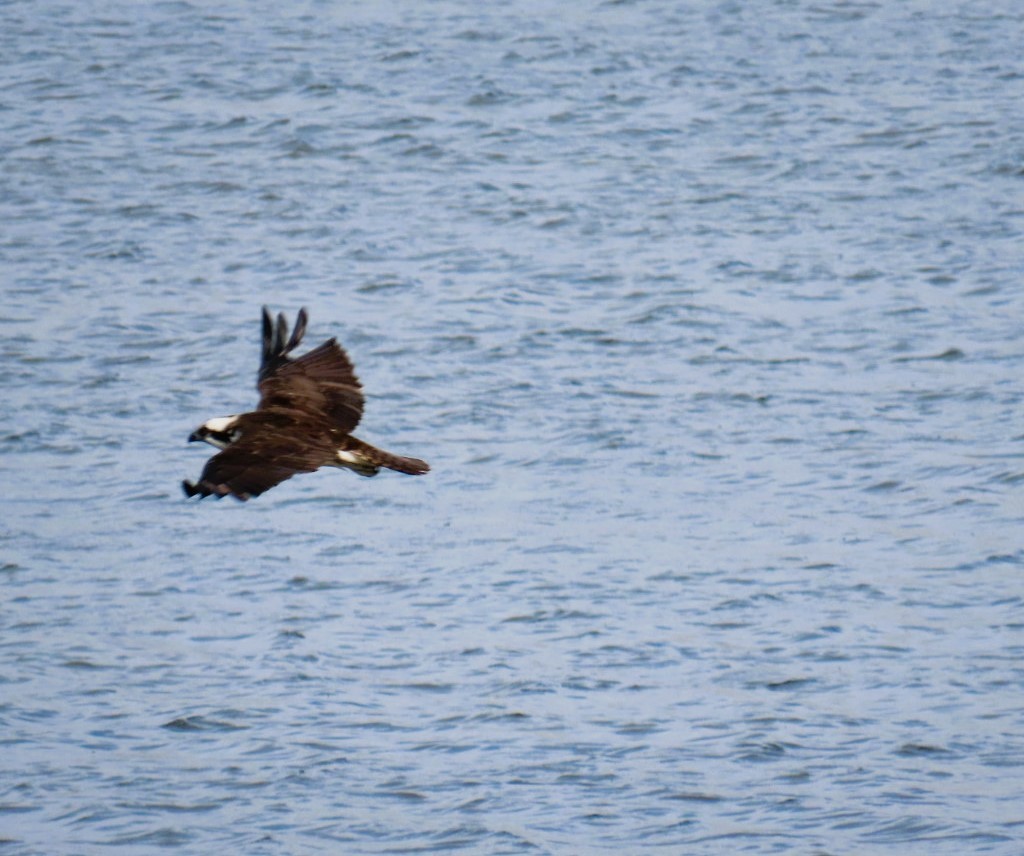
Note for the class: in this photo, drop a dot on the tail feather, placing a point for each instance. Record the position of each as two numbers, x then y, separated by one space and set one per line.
374 457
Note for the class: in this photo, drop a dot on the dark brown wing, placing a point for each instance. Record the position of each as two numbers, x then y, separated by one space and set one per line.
252 466
322 383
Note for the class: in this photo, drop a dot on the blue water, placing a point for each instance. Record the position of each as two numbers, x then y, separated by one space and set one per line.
707 317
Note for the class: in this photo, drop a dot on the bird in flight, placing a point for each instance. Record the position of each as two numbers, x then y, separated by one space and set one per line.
307 411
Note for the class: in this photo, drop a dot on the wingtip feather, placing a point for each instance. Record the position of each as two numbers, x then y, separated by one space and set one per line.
268 337
280 335
217 491
299 330
277 343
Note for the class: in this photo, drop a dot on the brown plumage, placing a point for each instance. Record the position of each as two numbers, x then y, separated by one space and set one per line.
308 407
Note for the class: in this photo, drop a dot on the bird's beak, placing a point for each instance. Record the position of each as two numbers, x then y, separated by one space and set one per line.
194 437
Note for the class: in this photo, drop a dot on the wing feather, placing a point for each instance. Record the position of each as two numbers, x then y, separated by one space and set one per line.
322 383
251 467
276 342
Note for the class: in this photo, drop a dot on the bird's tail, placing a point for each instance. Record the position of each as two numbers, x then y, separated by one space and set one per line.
367 460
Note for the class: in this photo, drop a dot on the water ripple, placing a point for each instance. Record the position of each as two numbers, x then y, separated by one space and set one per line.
707 319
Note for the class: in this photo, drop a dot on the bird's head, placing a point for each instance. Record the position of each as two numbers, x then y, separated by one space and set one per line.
220 432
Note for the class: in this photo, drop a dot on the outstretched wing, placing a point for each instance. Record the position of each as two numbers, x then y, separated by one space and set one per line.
251 467
321 383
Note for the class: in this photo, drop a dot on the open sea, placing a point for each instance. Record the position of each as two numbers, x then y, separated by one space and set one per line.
708 318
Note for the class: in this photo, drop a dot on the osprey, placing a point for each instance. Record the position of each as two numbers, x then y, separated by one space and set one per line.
308 407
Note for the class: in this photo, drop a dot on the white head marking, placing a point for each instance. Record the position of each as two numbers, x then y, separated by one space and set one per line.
220 424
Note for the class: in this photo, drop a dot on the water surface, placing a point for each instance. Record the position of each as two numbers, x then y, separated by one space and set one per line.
707 317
